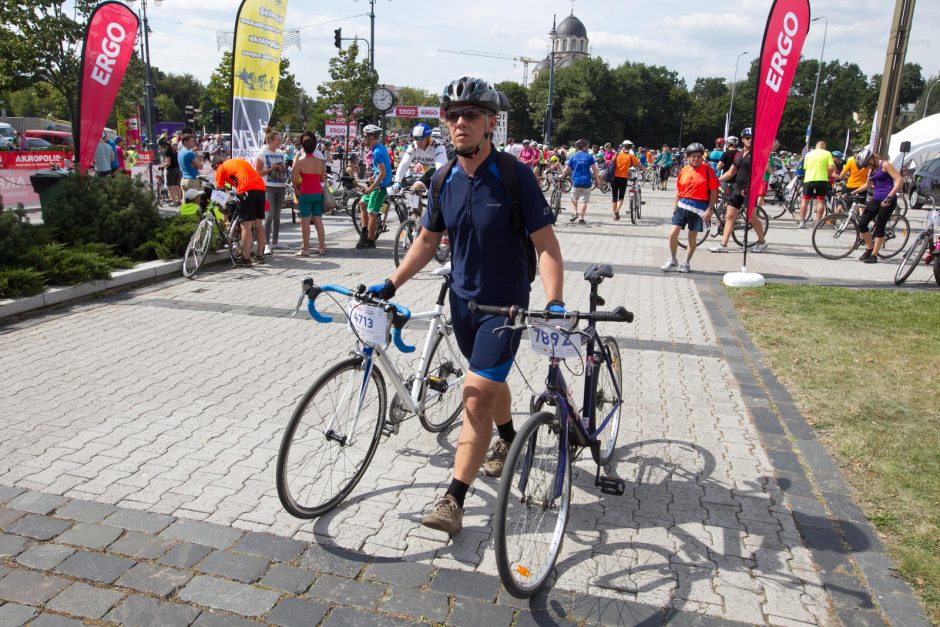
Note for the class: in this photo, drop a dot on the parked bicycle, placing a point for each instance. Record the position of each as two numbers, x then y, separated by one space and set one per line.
926 243
837 234
212 231
410 228
534 496
335 429
551 178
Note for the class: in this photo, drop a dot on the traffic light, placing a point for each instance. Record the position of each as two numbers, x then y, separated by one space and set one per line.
217 117
338 38
189 115
157 114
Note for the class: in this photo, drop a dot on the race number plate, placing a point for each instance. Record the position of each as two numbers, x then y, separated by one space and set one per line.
219 197
551 342
414 202
369 322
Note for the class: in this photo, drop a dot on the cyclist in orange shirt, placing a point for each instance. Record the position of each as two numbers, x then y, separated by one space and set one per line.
249 186
621 164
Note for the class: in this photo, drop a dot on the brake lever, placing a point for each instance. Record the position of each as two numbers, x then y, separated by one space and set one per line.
300 301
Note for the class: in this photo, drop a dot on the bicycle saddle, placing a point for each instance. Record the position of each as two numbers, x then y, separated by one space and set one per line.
443 270
598 272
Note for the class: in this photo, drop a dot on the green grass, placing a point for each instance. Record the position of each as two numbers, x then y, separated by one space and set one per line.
864 368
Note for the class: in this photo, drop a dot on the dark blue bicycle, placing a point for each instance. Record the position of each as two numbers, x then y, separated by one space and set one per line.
534 495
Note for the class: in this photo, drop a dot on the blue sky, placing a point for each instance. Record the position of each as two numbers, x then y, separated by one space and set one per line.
694 37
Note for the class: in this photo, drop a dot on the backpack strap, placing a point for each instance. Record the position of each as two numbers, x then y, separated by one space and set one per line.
507 171
437 184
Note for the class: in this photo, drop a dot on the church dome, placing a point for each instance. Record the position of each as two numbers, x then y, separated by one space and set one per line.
571 27
543 66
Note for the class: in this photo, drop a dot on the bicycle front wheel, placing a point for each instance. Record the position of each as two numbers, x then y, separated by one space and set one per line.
404 239
197 248
897 232
835 236
633 206
532 506
566 185
738 232
330 439
639 204
443 388
556 202
912 258
606 399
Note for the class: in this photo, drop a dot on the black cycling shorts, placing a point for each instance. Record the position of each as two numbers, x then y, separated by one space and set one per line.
664 172
251 207
816 189
618 189
489 353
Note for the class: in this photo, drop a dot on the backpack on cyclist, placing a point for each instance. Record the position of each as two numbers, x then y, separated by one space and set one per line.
507 172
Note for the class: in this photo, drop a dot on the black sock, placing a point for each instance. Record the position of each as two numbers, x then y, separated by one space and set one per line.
507 432
458 490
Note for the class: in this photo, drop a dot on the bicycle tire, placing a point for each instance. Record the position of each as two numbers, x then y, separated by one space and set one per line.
405 239
328 471
911 258
633 208
556 202
566 185
639 204
451 376
605 394
793 206
545 183
897 233
357 219
829 242
442 254
233 239
197 248
700 237
536 451
737 234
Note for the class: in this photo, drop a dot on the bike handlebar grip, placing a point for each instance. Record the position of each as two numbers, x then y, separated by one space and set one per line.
399 343
316 315
619 314
475 307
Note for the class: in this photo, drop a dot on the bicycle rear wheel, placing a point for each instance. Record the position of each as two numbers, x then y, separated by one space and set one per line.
532 506
404 239
835 236
897 232
911 258
323 455
738 232
556 202
700 237
197 248
443 389
605 399
233 239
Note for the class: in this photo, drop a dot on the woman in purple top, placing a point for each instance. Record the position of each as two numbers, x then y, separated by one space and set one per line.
885 181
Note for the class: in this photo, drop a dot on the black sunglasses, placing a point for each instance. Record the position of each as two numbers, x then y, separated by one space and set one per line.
470 114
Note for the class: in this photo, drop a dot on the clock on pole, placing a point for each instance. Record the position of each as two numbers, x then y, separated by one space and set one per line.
383 99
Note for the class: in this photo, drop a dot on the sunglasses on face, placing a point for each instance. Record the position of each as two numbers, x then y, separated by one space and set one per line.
470 114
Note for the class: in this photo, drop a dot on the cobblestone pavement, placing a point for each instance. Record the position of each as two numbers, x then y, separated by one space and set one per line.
139 434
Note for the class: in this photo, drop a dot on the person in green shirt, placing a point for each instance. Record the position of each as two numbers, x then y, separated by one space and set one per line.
820 168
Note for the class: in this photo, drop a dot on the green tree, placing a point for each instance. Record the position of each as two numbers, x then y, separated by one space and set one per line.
933 105
351 82
521 114
417 97
289 102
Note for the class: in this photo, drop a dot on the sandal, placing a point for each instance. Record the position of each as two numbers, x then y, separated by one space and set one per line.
616 215
303 252
321 252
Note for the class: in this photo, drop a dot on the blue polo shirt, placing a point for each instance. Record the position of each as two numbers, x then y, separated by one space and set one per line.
580 164
380 155
187 168
488 252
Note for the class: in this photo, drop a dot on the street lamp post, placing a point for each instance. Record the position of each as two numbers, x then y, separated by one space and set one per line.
733 83
812 110
927 99
148 82
551 86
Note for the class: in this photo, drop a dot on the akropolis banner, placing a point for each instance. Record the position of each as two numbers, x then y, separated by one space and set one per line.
109 43
787 26
256 68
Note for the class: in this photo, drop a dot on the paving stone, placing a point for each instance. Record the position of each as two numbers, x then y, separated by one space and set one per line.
270 546
464 584
7 493
144 612
141 545
137 520
604 611
349 617
229 596
297 613
90 535
208 619
54 620
30 588
288 579
86 601
861 618
8 516
159 580
44 556
185 555
3 571
346 591
11 545
238 567
430 606
38 527
333 560
80 510
410 574
14 615
94 566
207 534
525 618
37 502
470 612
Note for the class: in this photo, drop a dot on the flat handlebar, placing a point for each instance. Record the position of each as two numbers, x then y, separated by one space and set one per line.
514 312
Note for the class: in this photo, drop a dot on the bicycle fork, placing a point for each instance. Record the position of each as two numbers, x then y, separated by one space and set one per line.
349 439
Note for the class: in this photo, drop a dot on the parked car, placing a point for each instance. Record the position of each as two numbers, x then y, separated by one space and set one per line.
34 143
926 183
56 138
7 135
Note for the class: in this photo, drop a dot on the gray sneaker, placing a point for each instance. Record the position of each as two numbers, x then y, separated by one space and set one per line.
446 516
670 265
684 267
493 467
720 248
760 247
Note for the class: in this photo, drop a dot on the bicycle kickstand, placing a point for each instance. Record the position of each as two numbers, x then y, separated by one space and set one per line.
610 484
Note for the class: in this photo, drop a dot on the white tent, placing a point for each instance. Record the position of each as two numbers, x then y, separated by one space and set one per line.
924 136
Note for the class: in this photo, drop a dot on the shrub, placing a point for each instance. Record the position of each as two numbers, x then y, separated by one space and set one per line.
170 239
61 265
118 210
20 282
15 235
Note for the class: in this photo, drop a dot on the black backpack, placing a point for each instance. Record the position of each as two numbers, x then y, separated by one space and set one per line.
507 172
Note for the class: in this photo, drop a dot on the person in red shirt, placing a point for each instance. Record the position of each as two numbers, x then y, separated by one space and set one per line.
249 186
696 195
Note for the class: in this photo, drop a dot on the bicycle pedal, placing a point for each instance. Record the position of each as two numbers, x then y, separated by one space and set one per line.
612 485
390 428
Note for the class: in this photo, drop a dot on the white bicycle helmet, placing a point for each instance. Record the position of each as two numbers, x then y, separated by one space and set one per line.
371 129
626 144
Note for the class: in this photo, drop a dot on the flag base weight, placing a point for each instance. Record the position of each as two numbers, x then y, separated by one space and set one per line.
744 279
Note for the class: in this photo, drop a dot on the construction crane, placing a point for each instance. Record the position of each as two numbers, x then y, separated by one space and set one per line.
495 55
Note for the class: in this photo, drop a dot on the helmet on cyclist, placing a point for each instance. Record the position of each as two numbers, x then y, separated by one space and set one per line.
862 158
525 142
747 132
732 141
554 159
838 154
720 141
626 144
693 148
607 145
421 131
371 129
504 102
472 91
